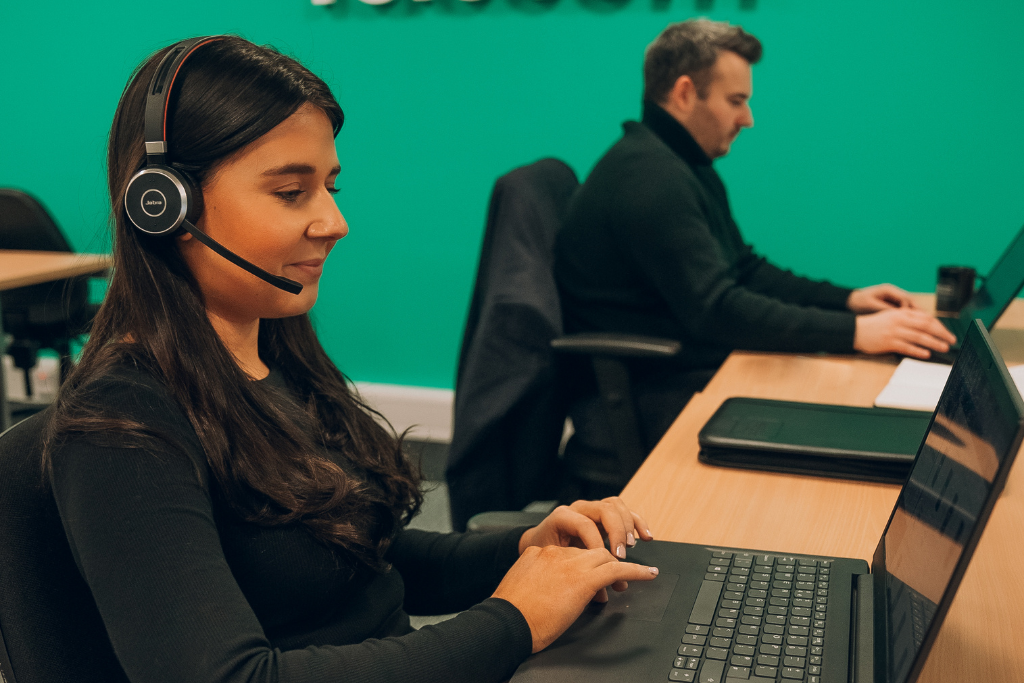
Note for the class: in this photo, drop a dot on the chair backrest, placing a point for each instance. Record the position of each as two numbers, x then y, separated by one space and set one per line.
25 224
48 312
509 411
48 620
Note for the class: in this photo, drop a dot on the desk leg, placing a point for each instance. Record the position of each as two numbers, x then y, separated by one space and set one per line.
5 410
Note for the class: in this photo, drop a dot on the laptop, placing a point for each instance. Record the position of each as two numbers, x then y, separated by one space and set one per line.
723 615
992 299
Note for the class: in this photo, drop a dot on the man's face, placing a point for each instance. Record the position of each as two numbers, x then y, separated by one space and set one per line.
717 119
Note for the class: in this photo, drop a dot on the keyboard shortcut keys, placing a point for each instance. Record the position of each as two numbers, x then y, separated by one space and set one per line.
758 619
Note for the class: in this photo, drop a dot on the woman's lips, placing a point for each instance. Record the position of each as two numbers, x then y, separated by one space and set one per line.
313 268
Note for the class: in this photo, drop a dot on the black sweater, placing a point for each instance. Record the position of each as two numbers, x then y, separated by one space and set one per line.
650 247
189 592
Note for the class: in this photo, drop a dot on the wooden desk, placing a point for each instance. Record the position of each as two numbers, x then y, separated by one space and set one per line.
685 500
22 268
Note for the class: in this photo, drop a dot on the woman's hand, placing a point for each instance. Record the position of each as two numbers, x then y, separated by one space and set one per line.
585 524
551 585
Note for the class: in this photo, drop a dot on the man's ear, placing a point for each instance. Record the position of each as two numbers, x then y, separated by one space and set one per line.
682 97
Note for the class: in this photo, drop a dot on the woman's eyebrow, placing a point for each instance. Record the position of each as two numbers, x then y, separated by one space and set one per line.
296 169
290 169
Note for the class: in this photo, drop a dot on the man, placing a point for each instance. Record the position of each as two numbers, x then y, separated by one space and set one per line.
650 247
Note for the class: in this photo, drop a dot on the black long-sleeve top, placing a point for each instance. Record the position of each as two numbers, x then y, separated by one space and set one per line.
190 592
650 247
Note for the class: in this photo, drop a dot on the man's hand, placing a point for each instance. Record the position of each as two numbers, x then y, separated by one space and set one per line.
878 298
899 330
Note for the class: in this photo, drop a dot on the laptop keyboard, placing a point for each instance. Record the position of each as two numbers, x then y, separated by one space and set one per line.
757 618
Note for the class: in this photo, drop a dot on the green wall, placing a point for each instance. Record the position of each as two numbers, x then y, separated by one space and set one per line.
887 141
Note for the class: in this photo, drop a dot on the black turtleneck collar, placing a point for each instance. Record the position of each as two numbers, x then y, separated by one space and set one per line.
674 134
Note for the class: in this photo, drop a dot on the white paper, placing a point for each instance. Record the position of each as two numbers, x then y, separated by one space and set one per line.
917 385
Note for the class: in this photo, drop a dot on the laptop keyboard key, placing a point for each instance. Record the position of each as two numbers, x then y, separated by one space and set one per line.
698 629
721 642
704 606
711 672
694 639
681 675
716 653
791 673
745 650
740 660
690 651
796 662
766 671
738 672
767 660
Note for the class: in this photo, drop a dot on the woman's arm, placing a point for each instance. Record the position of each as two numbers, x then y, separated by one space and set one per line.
446 573
142 530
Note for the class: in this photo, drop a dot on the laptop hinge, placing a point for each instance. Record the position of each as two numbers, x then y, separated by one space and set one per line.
862 635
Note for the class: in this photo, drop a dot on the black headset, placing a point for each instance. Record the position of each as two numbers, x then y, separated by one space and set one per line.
160 199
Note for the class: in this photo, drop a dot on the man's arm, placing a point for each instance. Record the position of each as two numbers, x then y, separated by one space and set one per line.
760 275
671 241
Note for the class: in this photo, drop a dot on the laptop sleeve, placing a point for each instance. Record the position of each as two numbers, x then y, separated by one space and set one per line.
872 444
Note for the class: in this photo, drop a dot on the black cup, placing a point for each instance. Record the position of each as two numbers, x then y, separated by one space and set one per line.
954 288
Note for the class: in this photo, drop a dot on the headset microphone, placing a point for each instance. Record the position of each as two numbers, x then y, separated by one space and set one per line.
160 199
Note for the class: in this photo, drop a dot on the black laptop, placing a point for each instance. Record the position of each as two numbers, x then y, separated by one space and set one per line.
992 299
722 615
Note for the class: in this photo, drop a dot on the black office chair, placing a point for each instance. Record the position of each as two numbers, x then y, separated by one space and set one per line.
44 316
50 629
513 387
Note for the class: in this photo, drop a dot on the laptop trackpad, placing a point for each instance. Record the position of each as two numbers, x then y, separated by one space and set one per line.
643 600
613 642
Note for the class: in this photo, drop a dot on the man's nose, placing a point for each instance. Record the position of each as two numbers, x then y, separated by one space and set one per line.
747 118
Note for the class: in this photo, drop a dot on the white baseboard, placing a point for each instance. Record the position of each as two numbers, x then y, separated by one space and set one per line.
427 411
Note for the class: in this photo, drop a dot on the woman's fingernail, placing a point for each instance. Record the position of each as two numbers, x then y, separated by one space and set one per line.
630 540
620 551
653 570
649 533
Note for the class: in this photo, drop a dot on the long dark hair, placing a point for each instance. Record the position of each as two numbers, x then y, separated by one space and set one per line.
268 460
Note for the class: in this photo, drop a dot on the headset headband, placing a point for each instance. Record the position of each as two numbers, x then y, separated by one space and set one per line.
159 96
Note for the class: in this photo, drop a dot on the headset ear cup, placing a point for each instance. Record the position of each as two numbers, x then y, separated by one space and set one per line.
194 194
158 199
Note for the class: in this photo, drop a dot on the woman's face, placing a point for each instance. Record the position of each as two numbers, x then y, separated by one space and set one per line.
272 204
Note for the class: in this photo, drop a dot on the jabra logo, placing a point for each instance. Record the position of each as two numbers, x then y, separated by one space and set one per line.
154 202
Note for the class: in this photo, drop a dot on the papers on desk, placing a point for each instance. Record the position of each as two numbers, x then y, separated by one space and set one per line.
917 385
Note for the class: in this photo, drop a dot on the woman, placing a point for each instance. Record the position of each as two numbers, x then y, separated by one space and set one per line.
236 512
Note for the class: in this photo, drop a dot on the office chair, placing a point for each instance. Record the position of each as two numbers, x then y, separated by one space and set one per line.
513 386
50 626
47 315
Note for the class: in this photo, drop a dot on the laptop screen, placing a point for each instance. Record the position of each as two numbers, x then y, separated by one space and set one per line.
959 471
1001 285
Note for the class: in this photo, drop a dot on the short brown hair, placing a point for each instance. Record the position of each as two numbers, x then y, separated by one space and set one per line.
690 48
